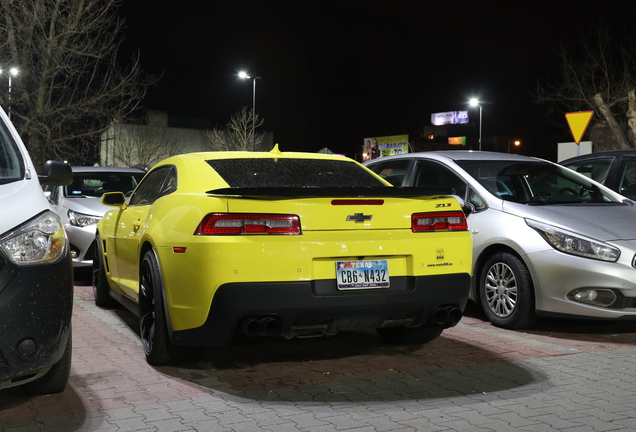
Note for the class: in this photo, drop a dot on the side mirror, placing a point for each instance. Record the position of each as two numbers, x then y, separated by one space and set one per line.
469 208
113 199
56 174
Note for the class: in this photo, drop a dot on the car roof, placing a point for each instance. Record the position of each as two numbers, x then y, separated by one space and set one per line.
613 153
106 169
457 155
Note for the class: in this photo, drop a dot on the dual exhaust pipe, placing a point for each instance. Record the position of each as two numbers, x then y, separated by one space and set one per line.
446 316
268 326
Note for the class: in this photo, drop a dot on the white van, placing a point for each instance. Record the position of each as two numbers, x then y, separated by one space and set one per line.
36 274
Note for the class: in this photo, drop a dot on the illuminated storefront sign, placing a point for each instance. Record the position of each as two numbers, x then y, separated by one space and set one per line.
450 117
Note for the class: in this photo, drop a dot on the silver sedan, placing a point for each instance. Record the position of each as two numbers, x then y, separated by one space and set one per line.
79 206
547 241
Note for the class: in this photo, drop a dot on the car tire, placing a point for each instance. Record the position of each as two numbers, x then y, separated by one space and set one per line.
410 335
153 325
101 290
55 380
506 292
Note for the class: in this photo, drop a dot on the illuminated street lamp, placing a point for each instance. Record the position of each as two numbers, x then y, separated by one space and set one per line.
12 72
475 102
244 75
517 143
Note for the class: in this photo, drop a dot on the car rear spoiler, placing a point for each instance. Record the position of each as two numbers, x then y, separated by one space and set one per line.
336 192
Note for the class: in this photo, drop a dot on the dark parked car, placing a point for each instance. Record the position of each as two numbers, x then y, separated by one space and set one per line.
616 169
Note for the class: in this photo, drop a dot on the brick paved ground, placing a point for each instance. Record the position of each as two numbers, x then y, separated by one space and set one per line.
563 375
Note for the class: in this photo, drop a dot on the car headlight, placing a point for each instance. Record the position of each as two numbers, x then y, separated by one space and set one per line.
81 219
39 241
575 244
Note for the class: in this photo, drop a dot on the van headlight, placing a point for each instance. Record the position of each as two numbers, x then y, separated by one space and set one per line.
39 241
575 244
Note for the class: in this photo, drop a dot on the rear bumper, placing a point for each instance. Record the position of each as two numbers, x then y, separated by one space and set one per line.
35 314
317 306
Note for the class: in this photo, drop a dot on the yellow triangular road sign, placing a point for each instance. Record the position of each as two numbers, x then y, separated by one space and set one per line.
578 122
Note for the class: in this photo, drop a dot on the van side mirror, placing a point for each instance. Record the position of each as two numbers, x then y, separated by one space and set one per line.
56 174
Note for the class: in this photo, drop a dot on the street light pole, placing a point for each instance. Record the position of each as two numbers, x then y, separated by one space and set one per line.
254 114
475 102
12 72
244 75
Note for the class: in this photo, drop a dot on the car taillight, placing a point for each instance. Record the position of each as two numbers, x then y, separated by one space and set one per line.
439 221
242 223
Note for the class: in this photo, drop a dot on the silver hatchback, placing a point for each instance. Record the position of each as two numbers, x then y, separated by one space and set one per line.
79 206
547 241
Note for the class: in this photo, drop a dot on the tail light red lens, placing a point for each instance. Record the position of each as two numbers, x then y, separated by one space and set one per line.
439 221
240 224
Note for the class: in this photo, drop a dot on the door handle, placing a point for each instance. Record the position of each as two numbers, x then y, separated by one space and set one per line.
136 225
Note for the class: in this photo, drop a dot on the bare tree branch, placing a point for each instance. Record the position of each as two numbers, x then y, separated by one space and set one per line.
71 86
141 145
237 134
599 75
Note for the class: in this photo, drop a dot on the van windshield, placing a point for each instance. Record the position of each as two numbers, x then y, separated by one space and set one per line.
11 162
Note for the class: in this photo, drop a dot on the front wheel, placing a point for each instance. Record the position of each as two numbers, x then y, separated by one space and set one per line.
506 292
410 335
153 325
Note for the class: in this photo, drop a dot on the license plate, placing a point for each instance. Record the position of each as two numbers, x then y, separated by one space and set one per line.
362 274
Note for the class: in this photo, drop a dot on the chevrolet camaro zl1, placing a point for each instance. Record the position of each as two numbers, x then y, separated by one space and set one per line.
280 244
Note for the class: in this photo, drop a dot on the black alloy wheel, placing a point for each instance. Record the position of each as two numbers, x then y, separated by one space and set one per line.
153 325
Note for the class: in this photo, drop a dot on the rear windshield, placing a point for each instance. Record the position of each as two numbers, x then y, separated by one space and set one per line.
11 162
307 173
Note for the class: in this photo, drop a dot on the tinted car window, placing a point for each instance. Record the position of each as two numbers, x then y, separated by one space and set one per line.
533 182
94 184
595 169
433 174
157 183
392 171
627 178
265 172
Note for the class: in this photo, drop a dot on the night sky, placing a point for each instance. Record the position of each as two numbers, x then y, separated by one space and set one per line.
335 72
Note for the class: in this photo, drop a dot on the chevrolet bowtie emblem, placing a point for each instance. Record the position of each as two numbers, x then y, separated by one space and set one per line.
358 217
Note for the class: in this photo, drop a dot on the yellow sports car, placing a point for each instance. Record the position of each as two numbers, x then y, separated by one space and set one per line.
280 244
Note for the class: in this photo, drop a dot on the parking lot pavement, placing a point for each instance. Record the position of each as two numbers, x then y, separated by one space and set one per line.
561 376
